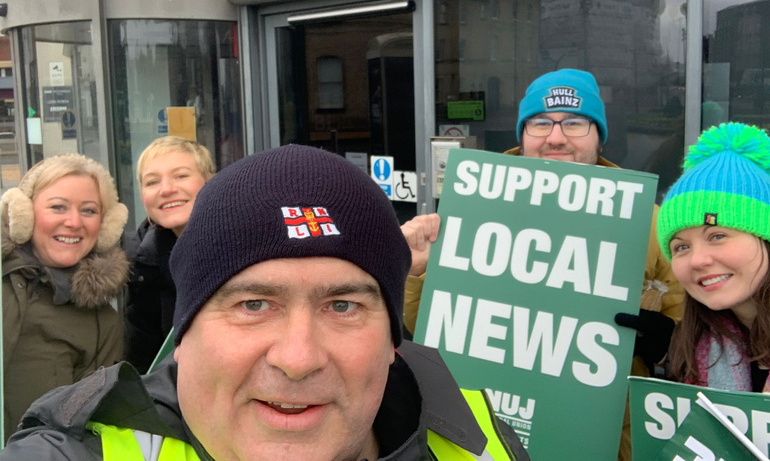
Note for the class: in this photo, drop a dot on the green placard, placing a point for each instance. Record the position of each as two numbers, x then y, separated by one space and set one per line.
667 422
534 259
473 110
165 349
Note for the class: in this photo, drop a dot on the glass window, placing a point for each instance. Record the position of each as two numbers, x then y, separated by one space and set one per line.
443 10
330 90
636 51
9 158
59 91
376 72
736 70
158 64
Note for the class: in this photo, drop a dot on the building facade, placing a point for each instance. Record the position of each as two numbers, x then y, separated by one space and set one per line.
364 78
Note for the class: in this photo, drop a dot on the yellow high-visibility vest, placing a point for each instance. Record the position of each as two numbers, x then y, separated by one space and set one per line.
497 448
124 444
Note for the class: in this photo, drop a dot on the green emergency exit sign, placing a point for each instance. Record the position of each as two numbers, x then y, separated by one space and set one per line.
473 110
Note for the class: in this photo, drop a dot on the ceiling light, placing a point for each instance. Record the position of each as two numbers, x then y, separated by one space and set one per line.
352 12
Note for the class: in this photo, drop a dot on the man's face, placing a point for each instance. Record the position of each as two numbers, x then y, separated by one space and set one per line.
557 146
287 360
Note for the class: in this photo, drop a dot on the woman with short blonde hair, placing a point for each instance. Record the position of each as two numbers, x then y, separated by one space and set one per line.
170 172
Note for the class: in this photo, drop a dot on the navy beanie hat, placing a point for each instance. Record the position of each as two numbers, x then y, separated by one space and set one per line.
564 90
290 202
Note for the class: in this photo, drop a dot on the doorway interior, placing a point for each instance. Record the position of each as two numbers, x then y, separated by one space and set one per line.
346 86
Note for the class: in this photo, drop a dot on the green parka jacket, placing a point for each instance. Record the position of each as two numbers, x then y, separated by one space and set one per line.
50 339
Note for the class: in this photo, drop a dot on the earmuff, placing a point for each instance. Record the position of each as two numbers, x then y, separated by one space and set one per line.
21 216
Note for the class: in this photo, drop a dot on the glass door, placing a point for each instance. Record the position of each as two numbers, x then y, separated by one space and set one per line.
60 91
346 86
158 64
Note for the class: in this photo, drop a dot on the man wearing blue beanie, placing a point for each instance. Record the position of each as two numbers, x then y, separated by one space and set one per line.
569 99
290 281
562 118
566 94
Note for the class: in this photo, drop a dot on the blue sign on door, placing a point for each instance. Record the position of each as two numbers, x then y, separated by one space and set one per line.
381 170
68 125
382 173
162 122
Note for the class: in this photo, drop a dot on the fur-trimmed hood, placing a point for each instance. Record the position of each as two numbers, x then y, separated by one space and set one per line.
99 277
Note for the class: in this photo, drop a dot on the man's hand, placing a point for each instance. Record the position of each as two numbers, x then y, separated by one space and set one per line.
654 335
420 232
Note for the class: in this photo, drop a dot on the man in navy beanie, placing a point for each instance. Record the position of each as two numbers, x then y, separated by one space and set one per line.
562 117
290 280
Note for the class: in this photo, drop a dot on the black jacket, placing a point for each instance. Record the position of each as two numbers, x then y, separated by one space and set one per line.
420 395
149 312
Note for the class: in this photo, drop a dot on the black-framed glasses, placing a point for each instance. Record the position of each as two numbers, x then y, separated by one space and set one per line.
572 127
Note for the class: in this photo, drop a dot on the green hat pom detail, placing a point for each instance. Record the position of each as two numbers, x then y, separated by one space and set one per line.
748 141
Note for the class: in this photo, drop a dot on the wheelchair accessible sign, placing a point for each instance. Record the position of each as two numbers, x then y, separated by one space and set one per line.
399 186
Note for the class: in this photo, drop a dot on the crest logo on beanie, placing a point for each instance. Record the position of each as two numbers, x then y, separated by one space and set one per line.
562 97
710 219
303 222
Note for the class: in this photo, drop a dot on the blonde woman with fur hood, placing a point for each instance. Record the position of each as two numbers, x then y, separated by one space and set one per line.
62 265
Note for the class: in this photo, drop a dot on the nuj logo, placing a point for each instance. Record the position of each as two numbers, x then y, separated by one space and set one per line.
511 405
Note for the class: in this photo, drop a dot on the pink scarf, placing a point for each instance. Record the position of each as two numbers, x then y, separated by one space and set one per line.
729 369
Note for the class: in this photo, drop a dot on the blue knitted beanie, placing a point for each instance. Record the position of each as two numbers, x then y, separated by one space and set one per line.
564 90
726 182
290 202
